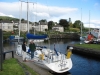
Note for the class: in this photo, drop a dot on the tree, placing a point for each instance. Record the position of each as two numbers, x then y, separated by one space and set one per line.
43 20
64 23
22 19
0 19
50 25
77 24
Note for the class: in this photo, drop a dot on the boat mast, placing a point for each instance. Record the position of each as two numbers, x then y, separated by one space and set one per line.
27 16
34 20
81 22
20 20
89 21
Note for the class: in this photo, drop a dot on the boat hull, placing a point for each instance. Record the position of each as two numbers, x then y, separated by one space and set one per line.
48 59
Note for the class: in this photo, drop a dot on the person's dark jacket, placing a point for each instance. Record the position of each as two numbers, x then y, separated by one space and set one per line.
32 47
24 47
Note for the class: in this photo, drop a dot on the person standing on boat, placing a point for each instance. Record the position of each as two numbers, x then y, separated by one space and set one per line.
24 51
69 52
32 48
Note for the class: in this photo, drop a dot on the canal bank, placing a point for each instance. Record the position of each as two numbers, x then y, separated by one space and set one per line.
30 64
72 36
94 53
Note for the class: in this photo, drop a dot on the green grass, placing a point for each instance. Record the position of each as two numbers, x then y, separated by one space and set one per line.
91 46
12 67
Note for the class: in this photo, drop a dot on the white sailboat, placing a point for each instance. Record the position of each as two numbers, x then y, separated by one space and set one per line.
88 41
50 60
46 58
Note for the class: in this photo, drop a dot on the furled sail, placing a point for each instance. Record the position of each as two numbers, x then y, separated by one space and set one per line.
32 36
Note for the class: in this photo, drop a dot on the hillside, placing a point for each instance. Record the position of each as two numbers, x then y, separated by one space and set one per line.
6 19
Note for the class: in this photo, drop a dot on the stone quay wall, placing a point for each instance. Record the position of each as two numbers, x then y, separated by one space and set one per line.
86 51
73 36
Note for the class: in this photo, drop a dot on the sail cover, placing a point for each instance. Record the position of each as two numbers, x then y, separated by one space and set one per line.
32 36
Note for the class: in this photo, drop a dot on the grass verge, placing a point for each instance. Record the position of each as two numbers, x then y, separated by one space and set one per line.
90 46
12 67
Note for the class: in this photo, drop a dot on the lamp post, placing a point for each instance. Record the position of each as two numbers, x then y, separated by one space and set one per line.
1 47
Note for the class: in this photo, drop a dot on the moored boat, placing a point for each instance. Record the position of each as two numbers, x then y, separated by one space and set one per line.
48 59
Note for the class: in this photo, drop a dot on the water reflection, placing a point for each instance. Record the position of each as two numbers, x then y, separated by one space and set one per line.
65 73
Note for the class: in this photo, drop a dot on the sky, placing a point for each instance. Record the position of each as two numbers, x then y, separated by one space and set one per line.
87 11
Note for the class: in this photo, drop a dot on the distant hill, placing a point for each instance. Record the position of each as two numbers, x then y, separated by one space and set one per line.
6 19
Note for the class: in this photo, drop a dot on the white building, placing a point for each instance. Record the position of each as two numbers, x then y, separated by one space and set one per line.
15 26
41 27
58 28
6 26
23 27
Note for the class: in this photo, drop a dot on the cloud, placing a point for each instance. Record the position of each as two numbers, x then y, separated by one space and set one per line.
96 4
93 24
2 14
95 21
43 14
38 9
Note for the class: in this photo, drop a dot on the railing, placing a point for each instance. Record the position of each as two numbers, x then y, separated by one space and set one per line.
4 53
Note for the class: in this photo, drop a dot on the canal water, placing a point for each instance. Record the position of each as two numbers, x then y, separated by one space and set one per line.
81 65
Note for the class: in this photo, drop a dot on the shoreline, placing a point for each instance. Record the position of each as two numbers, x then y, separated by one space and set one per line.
85 51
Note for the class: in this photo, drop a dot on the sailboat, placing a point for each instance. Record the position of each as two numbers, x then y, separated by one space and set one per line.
49 59
81 38
89 38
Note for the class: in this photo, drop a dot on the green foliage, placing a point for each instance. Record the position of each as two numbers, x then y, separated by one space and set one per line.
11 67
6 35
85 29
74 30
43 20
70 25
8 19
11 19
64 23
77 24
91 46
23 34
50 25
